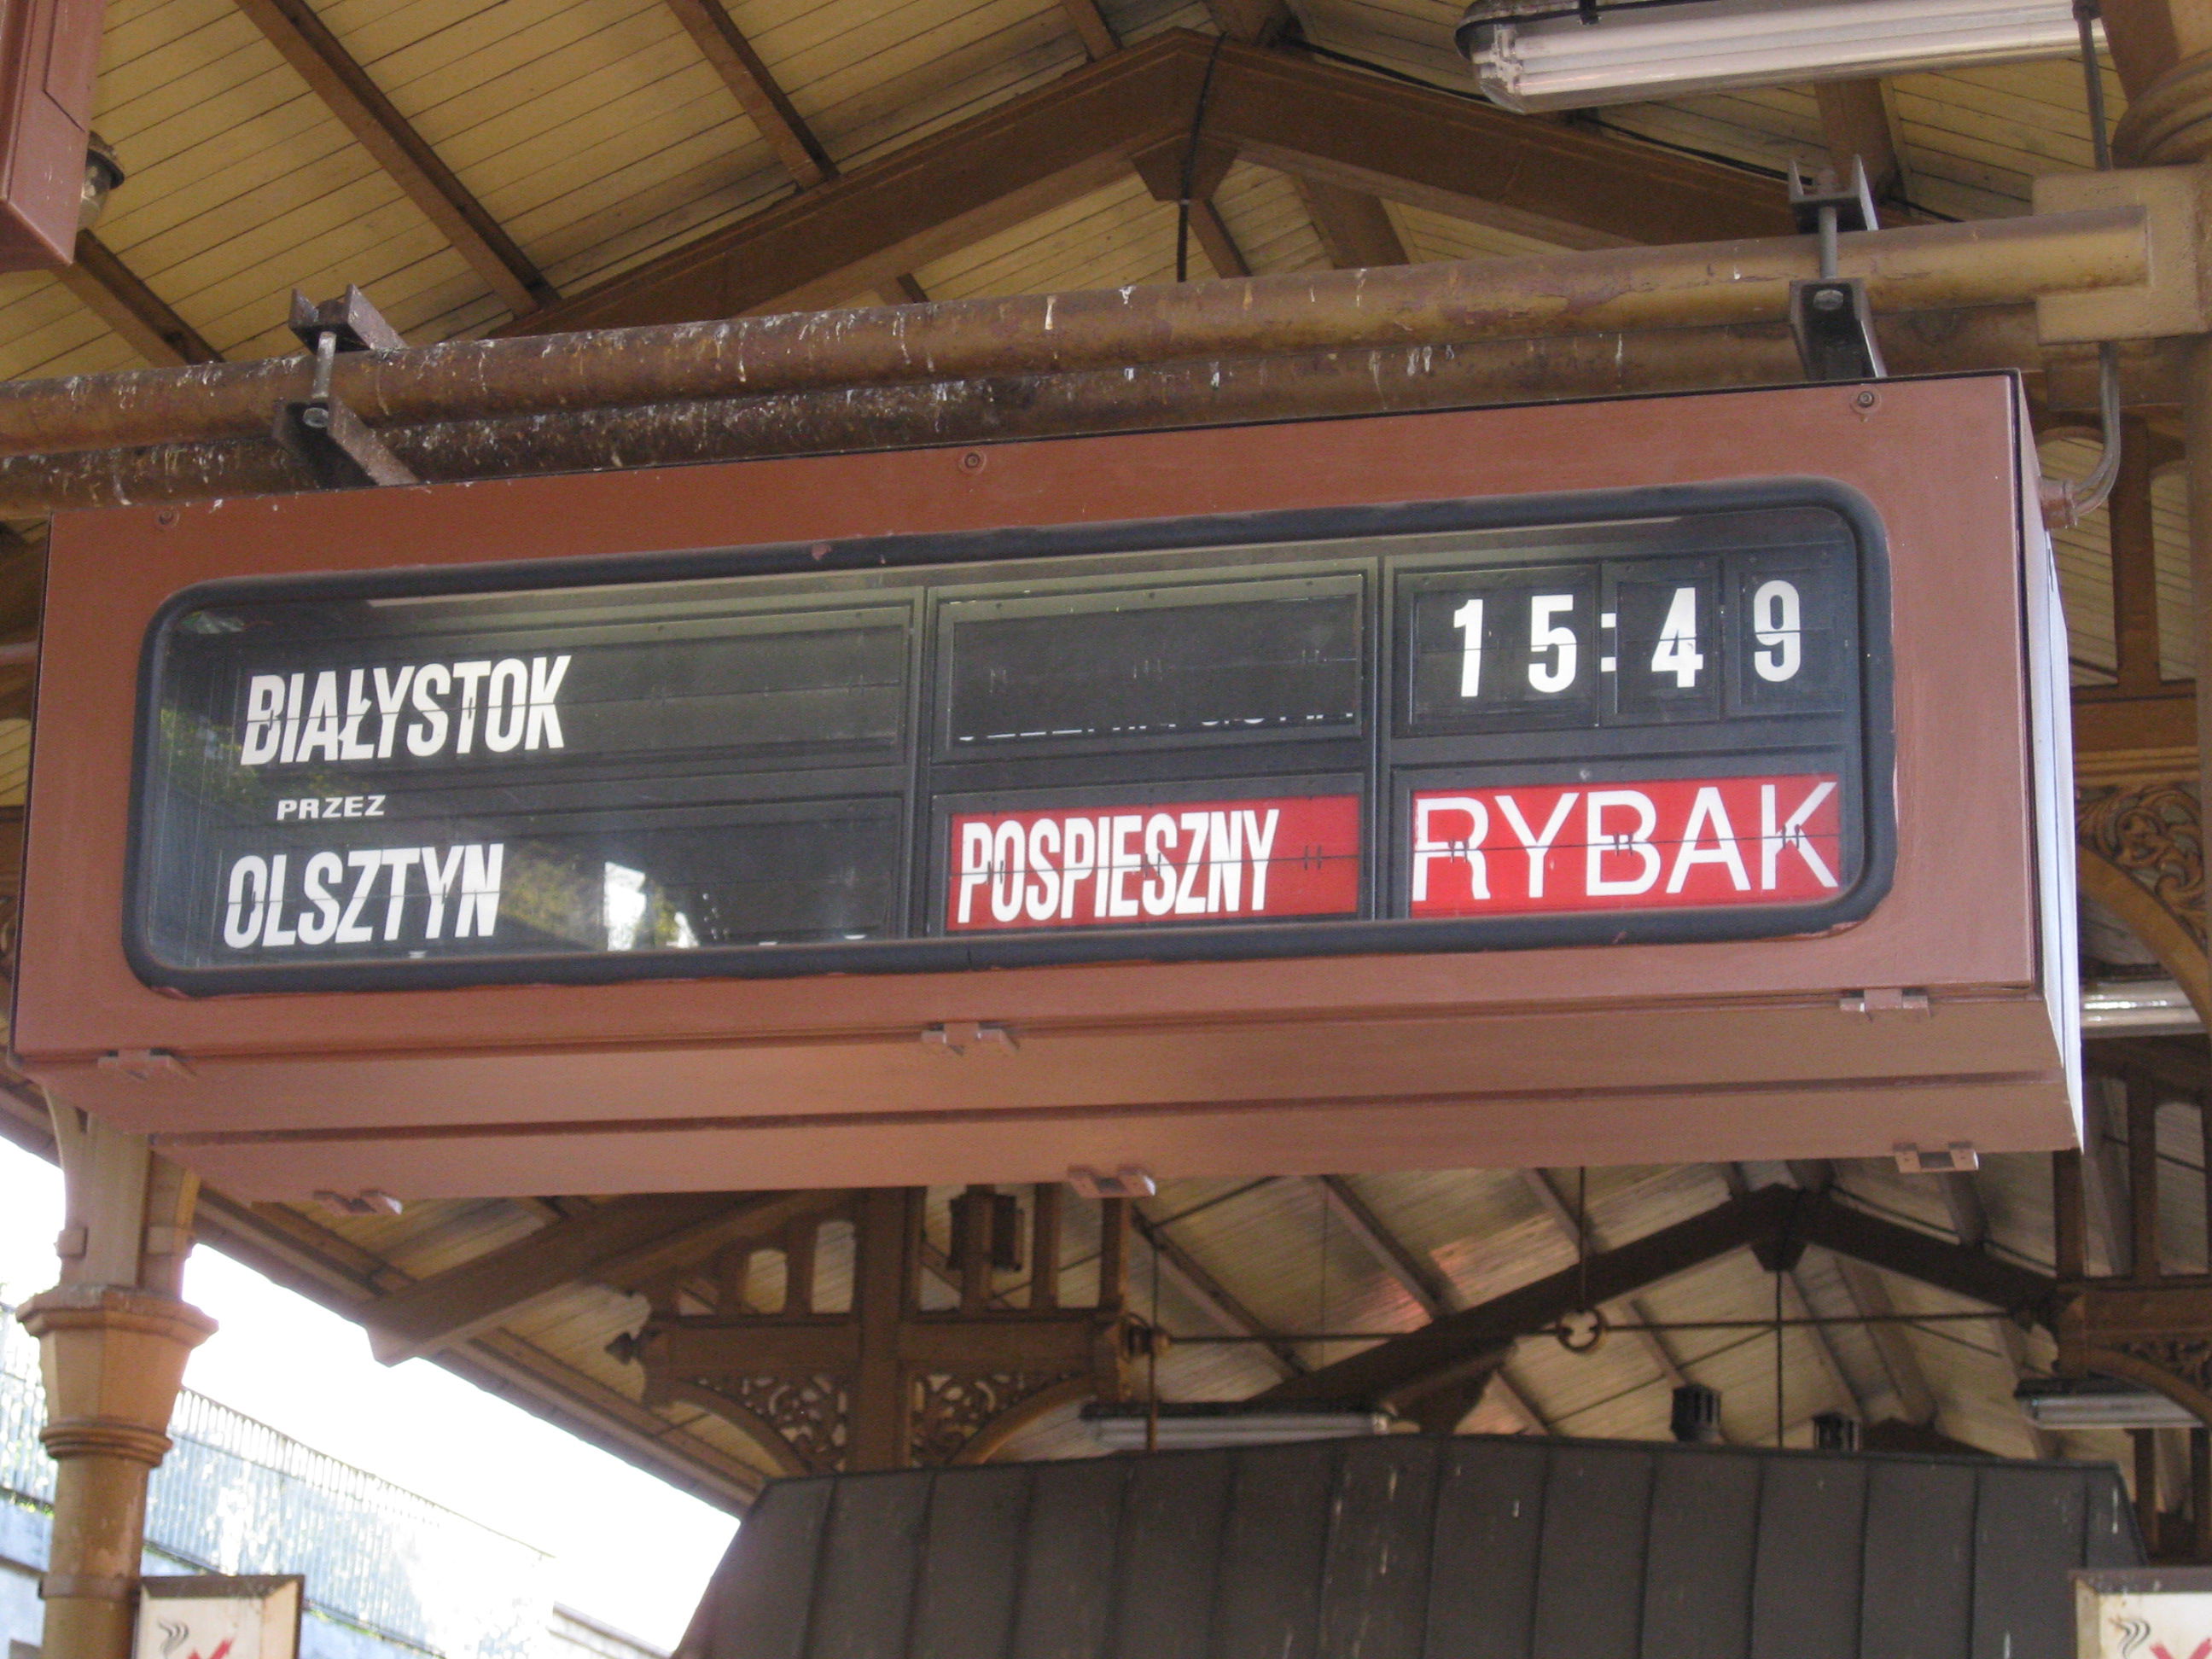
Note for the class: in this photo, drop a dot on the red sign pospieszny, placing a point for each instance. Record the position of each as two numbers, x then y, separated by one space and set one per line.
1671 842
1290 855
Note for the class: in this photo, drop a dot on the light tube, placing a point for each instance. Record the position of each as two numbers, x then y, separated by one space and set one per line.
1634 54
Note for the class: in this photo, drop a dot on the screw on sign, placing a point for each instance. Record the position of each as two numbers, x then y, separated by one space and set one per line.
1665 843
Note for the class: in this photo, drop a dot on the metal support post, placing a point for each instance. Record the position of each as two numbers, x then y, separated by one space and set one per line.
113 1337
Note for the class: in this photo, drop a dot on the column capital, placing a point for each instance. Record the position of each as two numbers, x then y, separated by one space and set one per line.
114 1358
2170 122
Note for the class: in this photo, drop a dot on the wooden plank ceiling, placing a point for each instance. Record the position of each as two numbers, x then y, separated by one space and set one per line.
481 166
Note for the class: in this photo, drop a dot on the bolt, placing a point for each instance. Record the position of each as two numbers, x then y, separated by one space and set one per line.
972 461
316 416
1828 299
166 518
1867 400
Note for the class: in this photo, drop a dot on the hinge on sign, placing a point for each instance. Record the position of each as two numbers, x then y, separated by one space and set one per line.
1954 1159
1887 1000
144 1064
338 449
957 1036
1127 1181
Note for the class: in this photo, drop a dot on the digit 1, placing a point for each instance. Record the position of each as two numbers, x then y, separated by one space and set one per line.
1468 620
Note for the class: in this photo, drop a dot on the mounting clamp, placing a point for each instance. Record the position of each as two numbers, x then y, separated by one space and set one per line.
1829 316
338 448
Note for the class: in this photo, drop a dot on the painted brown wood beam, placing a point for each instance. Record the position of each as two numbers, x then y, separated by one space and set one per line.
1419 1277
1462 156
863 229
121 299
1855 120
624 1241
376 124
1354 227
1406 1366
719 39
1047 147
1090 27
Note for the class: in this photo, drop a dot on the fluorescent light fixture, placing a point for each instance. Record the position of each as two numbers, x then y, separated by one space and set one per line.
2098 1402
2138 1007
1121 1426
1530 59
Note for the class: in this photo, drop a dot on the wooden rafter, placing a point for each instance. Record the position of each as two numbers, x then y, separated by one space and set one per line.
1090 27
122 300
1855 120
623 1243
1544 1188
1050 146
709 24
1354 227
1431 1291
376 124
1192 1279
1773 1217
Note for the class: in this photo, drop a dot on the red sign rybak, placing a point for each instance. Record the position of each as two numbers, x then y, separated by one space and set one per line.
1674 842
1290 855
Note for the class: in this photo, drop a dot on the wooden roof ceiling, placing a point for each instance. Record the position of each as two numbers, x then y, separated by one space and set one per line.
481 166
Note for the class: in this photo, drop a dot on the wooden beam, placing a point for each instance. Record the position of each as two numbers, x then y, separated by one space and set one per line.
2134 539
1407 1365
1418 1277
1857 120
1908 1380
121 301
1250 21
1970 1218
1090 27
1211 232
723 44
1354 227
1218 1303
1047 147
1545 1188
627 1241
376 124
1912 1254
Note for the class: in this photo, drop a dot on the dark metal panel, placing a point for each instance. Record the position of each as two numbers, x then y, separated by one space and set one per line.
1489 1526
1068 1579
1589 1585
1698 1572
763 1588
1268 1603
970 1565
1375 1587
2028 1537
864 1585
1171 1531
2109 1536
1805 1592
1919 1557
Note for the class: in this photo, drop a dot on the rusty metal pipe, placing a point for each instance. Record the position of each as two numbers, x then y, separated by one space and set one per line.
1304 385
1934 267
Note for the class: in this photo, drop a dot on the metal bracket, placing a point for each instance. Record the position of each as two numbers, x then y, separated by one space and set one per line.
1830 317
1127 1181
1954 1159
144 1064
370 1200
1887 1000
338 448
957 1036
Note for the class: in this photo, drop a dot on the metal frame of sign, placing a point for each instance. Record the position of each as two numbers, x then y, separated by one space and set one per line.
1155 942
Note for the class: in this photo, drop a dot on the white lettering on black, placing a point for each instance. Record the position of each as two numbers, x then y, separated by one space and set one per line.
510 704
255 913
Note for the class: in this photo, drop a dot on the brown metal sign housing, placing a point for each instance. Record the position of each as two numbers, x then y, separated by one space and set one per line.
1668 778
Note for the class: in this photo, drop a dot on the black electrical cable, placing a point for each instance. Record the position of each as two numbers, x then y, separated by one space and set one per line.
1190 162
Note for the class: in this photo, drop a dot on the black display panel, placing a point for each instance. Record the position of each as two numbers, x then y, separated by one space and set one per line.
1446 726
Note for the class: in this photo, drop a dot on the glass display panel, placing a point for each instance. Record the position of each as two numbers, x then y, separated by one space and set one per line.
1446 726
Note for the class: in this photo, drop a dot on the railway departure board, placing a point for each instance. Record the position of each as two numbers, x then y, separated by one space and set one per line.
1449 726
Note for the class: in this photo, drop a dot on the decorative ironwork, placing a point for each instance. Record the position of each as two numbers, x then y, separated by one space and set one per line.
812 1413
949 1410
2154 833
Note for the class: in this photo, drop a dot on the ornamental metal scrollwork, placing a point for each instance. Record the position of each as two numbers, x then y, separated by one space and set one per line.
949 1410
811 1412
2155 834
